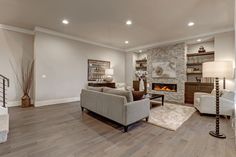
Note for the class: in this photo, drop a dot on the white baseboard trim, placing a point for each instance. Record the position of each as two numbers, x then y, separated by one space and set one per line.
13 103
56 101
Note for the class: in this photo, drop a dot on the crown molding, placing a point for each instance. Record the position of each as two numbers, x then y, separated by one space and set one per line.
16 29
148 46
63 35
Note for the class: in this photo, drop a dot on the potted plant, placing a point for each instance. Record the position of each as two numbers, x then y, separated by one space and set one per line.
25 81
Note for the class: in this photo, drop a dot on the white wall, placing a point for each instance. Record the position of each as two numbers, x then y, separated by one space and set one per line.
14 47
64 62
130 68
225 50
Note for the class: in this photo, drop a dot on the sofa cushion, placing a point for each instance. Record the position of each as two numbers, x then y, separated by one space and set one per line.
138 95
98 89
127 94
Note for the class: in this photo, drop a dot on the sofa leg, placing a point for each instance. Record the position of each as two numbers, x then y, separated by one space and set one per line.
82 109
147 119
126 128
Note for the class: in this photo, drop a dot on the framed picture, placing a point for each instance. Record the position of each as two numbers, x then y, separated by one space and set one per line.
96 69
164 70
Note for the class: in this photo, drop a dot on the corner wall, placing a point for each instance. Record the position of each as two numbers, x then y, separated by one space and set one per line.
64 63
14 48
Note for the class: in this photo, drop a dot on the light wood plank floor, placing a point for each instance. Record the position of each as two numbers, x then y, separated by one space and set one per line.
63 131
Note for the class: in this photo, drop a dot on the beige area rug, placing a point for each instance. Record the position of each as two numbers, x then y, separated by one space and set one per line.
170 116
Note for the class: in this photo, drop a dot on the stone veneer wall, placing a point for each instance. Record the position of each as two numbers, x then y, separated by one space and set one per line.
174 53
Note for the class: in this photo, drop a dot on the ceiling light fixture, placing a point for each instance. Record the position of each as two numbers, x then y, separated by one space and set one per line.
126 42
199 40
66 22
190 24
140 51
128 22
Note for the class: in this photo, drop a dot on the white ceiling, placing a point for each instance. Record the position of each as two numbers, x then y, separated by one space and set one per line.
103 21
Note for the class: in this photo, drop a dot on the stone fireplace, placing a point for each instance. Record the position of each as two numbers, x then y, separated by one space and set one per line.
164 87
171 86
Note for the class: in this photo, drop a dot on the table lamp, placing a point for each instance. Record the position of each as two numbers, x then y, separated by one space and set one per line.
218 69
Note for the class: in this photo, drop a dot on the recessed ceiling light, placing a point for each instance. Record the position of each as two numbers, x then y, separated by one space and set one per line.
199 40
128 22
126 42
140 51
191 24
66 22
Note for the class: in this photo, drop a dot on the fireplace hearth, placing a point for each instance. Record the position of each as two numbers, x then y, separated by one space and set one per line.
164 87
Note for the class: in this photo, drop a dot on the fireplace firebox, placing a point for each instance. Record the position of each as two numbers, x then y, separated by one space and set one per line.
164 87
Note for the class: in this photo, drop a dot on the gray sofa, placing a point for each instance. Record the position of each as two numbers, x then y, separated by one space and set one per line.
115 106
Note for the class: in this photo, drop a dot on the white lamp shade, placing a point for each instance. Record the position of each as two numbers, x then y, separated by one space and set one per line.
220 69
109 72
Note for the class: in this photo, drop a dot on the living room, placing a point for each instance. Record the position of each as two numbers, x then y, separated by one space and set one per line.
64 49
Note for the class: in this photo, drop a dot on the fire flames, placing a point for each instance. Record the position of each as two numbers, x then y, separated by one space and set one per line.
164 88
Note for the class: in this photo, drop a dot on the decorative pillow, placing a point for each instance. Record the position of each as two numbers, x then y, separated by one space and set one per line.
138 95
98 89
127 94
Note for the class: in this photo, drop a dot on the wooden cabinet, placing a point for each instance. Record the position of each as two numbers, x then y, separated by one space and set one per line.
192 87
105 84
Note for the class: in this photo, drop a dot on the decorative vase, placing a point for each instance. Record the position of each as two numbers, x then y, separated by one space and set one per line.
141 85
25 101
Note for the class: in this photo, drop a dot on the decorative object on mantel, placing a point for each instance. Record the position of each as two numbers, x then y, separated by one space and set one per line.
25 80
201 50
96 70
109 75
198 79
164 70
218 69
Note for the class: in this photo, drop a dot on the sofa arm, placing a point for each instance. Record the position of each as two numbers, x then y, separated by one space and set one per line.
136 111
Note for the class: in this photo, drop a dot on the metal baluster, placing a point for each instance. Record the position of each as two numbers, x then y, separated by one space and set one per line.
4 93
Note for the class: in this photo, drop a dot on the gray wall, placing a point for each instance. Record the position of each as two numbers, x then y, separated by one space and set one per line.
64 62
14 47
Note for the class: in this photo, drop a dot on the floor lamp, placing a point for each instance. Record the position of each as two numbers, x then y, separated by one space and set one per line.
217 69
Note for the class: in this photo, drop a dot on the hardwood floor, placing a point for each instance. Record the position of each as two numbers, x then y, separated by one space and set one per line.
63 131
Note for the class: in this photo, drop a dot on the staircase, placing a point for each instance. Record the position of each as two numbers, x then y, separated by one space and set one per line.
4 116
4 83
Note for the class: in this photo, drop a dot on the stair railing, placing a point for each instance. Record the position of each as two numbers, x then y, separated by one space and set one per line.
4 82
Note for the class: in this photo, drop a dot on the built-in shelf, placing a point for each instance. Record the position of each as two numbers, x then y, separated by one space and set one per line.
195 73
193 64
141 65
201 54
143 61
